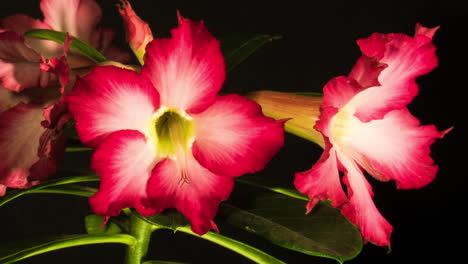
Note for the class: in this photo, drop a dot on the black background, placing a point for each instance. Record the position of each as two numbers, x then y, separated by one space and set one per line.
318 44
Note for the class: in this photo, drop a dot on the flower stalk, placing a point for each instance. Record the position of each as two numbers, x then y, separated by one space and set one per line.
141 230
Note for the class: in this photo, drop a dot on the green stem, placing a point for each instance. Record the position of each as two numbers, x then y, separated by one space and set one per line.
141 230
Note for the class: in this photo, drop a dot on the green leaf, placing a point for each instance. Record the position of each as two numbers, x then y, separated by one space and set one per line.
41 188
324 232
12 252
70 129
70 189
172 219
94 226
236 49
263 183
243 249
76 45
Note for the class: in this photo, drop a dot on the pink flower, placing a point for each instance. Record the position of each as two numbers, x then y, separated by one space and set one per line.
366 125
31 138
77 17
164 138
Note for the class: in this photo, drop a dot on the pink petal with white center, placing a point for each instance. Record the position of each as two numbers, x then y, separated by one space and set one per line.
110 99
394 148
234 137
19 65
187 69
361 209
190 188
124 162
20 133
322 181
407 58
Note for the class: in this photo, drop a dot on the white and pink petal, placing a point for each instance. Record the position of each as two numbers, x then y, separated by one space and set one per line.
190 188
361 209
110 99
187 69
234 137
124 162
394 148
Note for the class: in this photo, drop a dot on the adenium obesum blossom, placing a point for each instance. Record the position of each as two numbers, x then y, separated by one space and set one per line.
79 18
163 137
33 77
31 138
366 126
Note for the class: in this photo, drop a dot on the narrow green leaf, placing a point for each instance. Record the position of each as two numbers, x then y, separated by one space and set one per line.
70 189
12 252
70 129
237 49
324 232
77 44
13 194
77 149
176 221
263 183
94 226
245 250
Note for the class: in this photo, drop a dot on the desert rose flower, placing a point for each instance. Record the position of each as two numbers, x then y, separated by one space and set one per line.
31 138
366 126
77 17
164 138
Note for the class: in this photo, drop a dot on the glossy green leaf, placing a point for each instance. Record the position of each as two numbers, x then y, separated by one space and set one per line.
12 252
263 183
324 232
51 184
76 45
236 49
243 249
94 226
175 221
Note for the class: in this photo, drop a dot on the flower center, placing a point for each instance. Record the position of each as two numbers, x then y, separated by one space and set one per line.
172 130
340 125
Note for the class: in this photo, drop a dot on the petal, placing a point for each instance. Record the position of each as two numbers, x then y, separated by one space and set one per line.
322 181
191 189
407 58
124 162
234 137
138 32
366 71
187 69
428 32
110 99
19 65
51 150
20 133
78 17
394 148
361 209
339 91
21 23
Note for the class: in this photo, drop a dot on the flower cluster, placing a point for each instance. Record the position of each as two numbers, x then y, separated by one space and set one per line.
163 136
